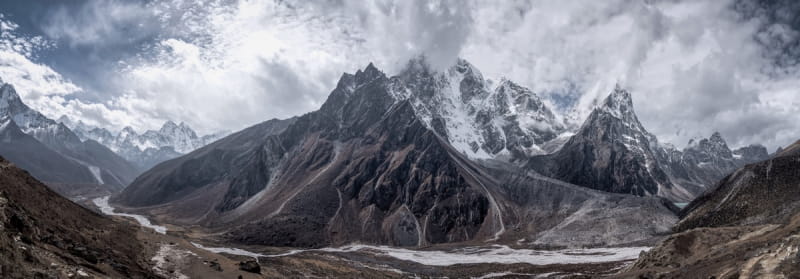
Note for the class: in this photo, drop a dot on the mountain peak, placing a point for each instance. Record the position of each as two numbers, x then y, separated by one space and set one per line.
128 130
463 66
619 97
371 68
65 119
169 125
368 74
9 96
619 103
716 137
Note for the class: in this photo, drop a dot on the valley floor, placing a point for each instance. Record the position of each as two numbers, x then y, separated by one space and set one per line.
180 253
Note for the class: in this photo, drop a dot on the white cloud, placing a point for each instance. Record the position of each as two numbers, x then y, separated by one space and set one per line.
100 22
40 86
692 66
229 66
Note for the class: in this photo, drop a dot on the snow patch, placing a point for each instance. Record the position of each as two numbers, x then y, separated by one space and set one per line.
96 173
231 251
168 261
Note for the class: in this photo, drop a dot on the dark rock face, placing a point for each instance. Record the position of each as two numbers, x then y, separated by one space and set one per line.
45 235
611 152
250 266
366 168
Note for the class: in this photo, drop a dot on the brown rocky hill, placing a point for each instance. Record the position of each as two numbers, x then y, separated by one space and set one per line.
744 227
43 235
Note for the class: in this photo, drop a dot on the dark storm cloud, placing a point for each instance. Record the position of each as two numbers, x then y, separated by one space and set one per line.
779 29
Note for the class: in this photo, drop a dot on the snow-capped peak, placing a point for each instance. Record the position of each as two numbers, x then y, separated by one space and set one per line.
8 96
619 103
370 73
713 147
481 121
717 139
28 120
128 142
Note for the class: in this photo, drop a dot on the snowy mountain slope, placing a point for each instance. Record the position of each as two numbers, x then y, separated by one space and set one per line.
506 121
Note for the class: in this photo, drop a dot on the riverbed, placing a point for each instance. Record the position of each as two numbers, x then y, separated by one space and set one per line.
498 254
107 209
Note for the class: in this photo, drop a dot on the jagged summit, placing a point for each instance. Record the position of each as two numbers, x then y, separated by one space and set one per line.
11 106
169 125
714 146
7 94
612 151
368 74
507 121
620 104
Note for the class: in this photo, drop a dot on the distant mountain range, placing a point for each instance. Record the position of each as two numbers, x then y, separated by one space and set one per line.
149 148
81 161
55 154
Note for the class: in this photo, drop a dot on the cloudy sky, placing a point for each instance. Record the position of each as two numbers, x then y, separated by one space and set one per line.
692 66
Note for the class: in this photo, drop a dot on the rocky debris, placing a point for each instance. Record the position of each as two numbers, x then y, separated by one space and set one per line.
214 264
46 235
169 261
250 266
